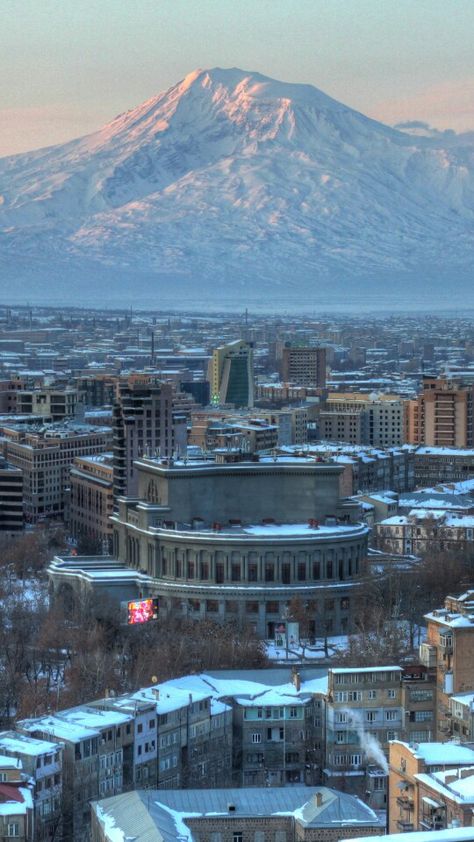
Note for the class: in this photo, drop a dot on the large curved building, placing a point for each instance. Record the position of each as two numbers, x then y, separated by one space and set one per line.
232 541
240 541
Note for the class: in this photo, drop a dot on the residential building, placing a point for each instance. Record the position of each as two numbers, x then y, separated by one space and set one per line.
411 768
423 531
94 743
303 366
434 465
40 762
16 813
442 415
418 703
363 713
449 648
231 374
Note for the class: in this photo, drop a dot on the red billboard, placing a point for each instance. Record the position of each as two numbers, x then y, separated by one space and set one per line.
141 611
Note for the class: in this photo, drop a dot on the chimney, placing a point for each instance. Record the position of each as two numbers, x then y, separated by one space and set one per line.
319 799
297 681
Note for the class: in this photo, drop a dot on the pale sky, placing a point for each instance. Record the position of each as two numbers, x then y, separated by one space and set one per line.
69 66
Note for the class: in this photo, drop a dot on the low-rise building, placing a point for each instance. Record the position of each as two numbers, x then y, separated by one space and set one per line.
423 531
411 765
40 762
285 814
417 771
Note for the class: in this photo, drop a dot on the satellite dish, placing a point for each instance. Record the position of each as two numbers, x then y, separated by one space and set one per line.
154 679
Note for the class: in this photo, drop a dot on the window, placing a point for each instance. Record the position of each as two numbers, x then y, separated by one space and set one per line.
256 737
139 728
13 829
151 723
372 694
237 837
392 694
293 713
423 715
371 715
391 715
3 777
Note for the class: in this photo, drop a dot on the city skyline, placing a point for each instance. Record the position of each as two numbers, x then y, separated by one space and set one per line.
69 69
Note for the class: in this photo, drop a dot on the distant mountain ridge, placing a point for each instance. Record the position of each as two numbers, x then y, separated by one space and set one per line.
234 186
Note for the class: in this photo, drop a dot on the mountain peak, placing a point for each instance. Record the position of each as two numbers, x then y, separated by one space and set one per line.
231 173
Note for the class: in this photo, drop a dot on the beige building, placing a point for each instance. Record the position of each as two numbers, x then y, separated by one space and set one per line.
92 498
449 648
413 804
442 415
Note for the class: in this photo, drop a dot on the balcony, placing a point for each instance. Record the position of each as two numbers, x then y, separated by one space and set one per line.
406 803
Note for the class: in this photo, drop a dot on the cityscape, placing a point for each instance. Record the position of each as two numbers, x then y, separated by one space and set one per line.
237 421
300 492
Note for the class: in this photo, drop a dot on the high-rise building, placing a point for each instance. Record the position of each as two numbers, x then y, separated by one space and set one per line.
305 366
377 420
92 498
11 497
142 423
231 374
442 415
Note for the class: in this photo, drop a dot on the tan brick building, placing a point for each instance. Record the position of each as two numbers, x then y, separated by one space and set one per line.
406 808
92 497
442 415
450 647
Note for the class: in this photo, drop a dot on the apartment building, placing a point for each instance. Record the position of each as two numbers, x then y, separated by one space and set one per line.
364 712
461 708
418 703
275 741
434 465
40 762
94 744
442 414
16 812
92 498
45 456
423 531
304 366
416 775
449 648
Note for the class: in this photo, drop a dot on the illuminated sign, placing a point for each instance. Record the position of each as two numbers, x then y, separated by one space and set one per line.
141 611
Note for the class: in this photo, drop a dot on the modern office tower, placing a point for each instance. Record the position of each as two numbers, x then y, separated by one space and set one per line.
231 374
45 456
11 498
142 423
304 366
92 498
442 415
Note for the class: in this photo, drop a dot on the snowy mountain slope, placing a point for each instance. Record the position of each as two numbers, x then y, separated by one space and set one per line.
229 176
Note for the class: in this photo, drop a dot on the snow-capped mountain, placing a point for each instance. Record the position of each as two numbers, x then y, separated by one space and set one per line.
234 186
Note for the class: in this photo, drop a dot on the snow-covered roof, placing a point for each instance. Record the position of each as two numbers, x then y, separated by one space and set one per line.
458 834
24 744
441 754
